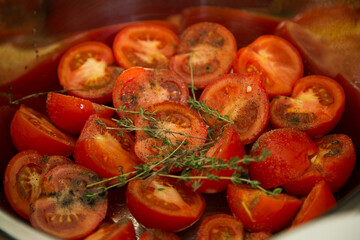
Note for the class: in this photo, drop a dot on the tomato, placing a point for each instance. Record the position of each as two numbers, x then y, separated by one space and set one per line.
227 146
123 229
221 227
276 59
108 152
290 150
144 44
158 234
259 211
164 203
23 178
180 120
85 69
242 97
334 163
315 106
30 129
70 113
139 87
63 210
257 235
210 47
319 201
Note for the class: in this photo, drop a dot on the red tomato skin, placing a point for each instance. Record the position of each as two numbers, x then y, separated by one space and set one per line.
149 215
325 115
130 36
57 199
158 234
290 149
319 201
121 230
257 235
21 189
70 113
139 87
228 225
334 163
267 54
30 129
244 94
268 213
211 48
227 147
101 151
78 77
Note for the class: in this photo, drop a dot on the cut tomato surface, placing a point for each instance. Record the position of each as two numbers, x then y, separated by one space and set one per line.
315 106
220 227
333 162
87 70
138 88
290 150
108 152
206 48
23 178
70 113
32 130
121 230
144 44
276 59
182 127
259 211
64 209
164 203
241 97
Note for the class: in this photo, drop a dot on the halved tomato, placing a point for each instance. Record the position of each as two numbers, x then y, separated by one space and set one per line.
315 106
242 97
144 44
164 203
108 152
290 150
178 124
334 163
220 227
158 234
33 130
209 48
227 146
86 70
70 113
121 230
259 211
139 87
257 235
23 178
276 59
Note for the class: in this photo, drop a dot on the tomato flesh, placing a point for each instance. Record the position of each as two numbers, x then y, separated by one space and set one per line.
123 229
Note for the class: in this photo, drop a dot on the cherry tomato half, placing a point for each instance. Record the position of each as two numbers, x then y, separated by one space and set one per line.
334 163
144 44
243 99
259 211
121 230
315 106
23 178
181 124
164 203
289 149
220 227
33 130
70 113
276 59
210 47
139 87
64 209
108 152
85 69
318 202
